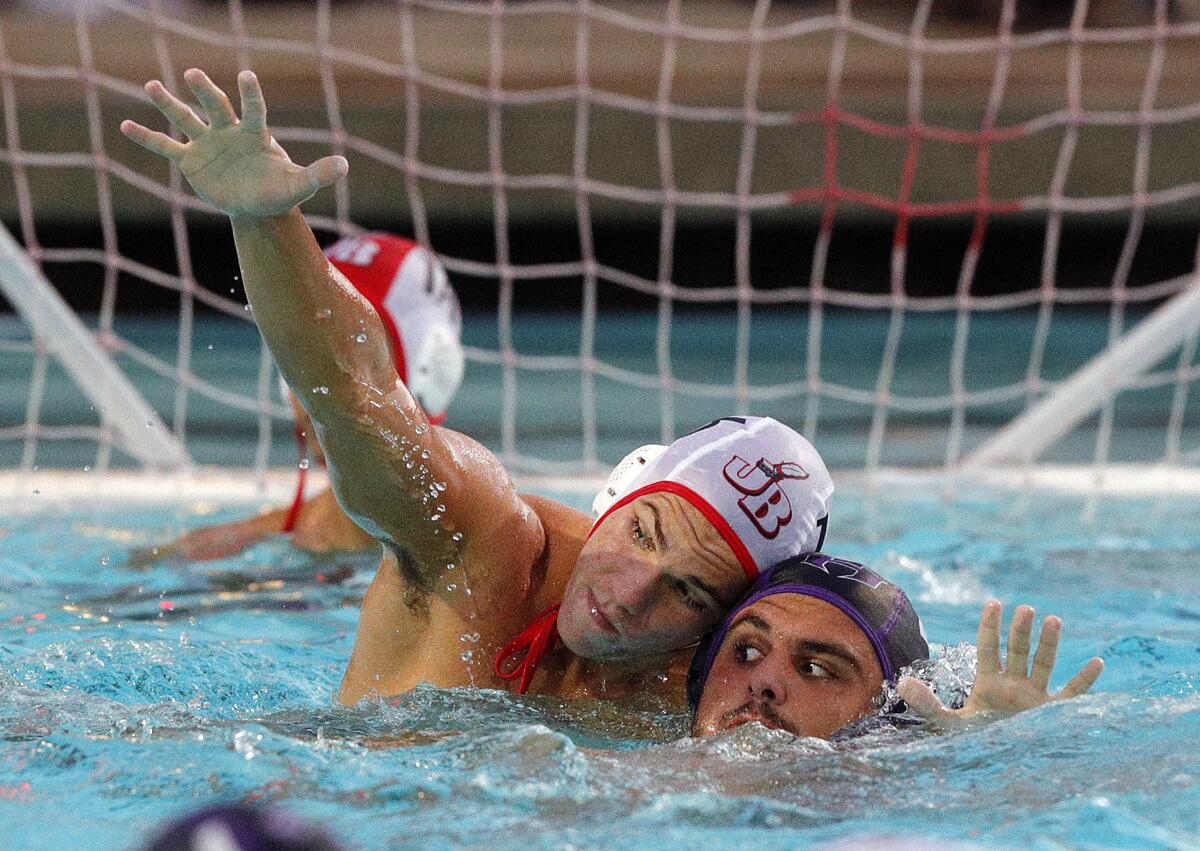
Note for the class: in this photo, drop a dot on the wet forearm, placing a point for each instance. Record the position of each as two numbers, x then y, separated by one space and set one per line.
327 340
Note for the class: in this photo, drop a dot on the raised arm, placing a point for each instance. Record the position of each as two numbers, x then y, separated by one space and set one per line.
1003 690
408 484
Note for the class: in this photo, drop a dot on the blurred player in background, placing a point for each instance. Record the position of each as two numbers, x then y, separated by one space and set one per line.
411 293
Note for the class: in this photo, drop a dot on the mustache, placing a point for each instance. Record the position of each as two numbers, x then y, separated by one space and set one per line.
765 712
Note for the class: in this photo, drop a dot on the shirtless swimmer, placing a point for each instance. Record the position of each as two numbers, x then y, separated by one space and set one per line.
469 563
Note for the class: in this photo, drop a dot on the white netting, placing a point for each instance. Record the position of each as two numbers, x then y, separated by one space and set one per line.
891 226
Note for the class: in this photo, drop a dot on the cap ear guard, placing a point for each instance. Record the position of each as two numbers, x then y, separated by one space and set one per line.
435 374
626 470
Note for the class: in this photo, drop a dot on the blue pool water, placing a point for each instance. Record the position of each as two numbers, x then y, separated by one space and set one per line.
128 696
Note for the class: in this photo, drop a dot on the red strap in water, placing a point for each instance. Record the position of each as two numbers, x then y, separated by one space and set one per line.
539 637
293 515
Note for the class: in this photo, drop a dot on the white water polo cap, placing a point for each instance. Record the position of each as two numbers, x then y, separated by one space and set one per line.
762 486
409 289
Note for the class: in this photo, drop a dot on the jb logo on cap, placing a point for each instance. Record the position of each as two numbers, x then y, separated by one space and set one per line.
763 500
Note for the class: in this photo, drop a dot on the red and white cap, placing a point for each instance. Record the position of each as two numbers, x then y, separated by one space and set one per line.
409 289
762 486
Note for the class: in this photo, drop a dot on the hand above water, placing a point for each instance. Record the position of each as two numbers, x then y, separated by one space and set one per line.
1002 691
232 163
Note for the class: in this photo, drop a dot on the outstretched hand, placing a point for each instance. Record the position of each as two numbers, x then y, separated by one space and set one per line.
1001 691
232 163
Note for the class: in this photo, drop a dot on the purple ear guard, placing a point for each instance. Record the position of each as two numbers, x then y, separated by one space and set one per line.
879 608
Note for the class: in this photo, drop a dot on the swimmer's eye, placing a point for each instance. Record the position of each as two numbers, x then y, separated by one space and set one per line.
687 596
812 668
746 653
639 535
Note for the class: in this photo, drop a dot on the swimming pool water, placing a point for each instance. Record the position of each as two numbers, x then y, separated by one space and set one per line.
129 696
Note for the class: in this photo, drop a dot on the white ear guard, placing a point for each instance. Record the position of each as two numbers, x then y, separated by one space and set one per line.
437 371
618 480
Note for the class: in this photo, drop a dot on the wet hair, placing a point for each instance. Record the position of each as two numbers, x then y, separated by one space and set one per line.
879 608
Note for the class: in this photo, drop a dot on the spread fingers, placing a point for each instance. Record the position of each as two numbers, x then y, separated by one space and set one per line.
987 641
254 107
152 140
1084 680
1047 653
1019 634
215 102
176 111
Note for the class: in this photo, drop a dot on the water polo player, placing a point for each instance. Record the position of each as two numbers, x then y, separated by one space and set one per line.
811 645
411 293
470 563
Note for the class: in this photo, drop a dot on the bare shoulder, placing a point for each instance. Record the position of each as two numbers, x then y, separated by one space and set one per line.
436 494
559 515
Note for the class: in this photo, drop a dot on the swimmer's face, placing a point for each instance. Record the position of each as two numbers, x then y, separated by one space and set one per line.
653 577
794 663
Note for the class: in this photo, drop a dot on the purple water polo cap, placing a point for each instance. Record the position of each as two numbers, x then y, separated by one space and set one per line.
879 608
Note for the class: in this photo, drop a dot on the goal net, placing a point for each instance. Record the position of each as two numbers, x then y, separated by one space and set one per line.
928 235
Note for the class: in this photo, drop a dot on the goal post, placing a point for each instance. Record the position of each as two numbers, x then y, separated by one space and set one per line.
1169 328
138 429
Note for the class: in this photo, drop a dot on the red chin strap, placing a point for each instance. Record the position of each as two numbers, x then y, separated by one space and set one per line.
538 638
293 515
